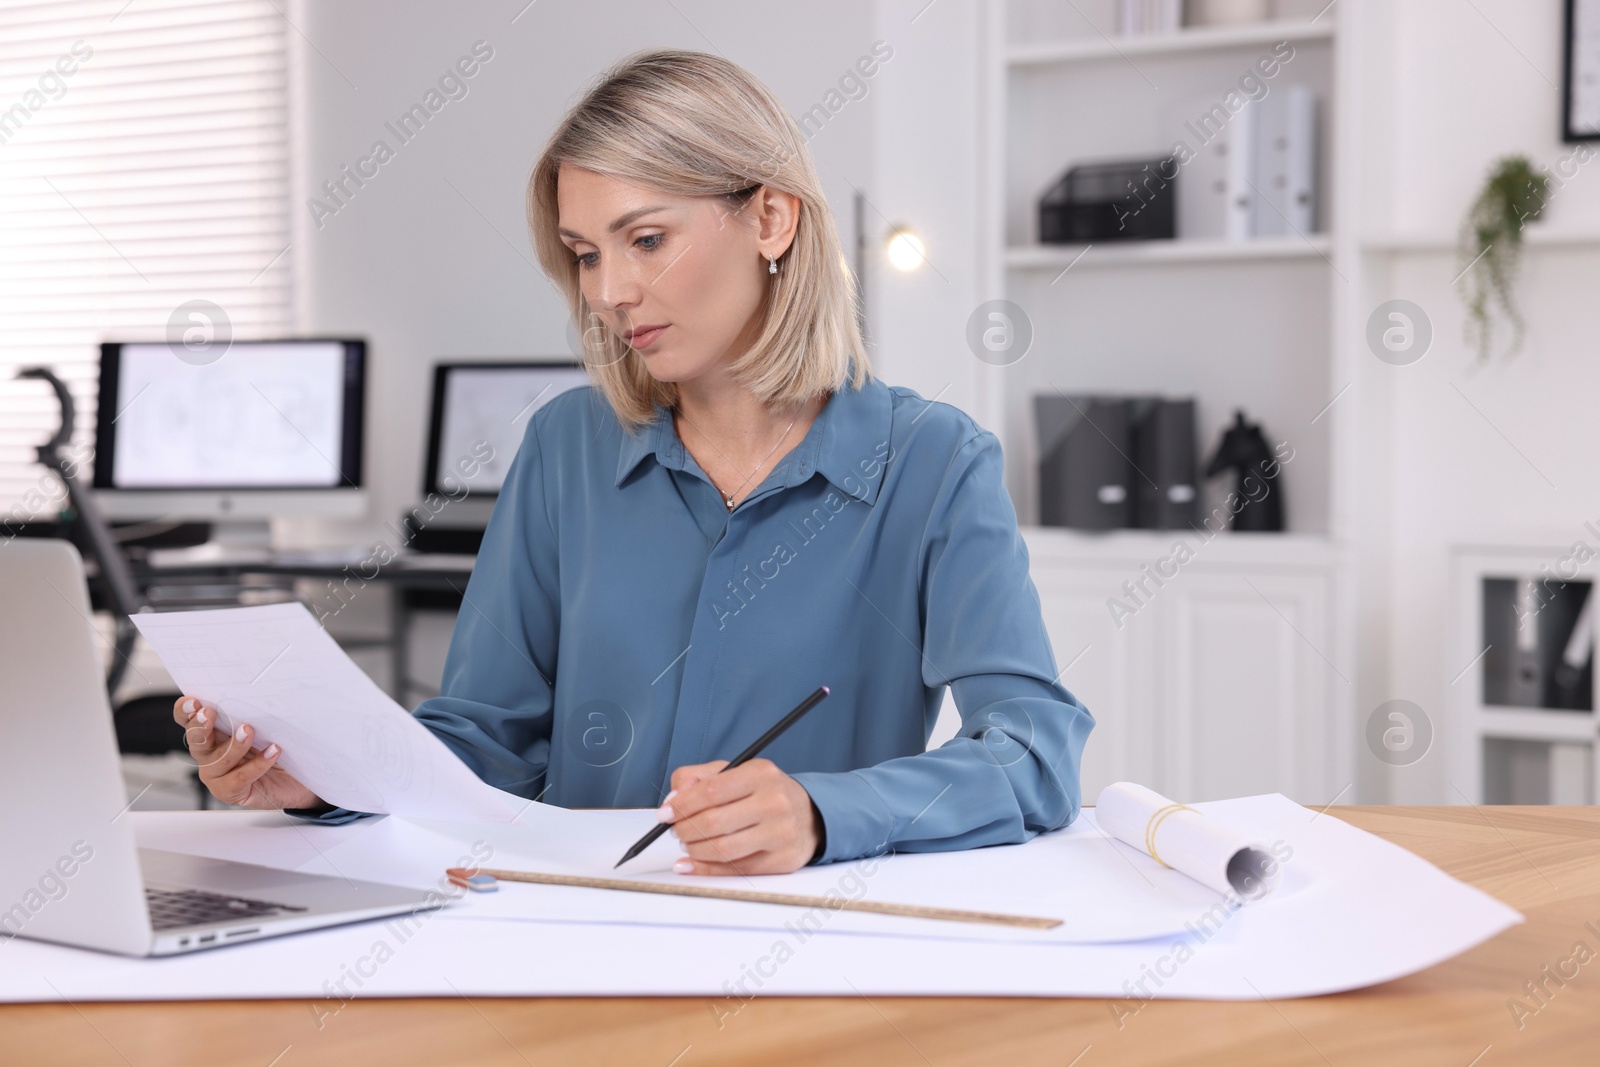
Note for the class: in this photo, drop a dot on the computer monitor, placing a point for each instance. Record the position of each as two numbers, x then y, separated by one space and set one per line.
480 412
267 429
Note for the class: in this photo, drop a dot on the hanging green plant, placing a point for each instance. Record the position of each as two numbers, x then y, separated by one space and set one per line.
1491 249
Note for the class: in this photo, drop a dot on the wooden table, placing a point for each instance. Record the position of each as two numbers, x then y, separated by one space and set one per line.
1543 861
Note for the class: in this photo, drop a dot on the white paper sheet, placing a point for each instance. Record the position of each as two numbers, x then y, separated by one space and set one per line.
1352 911
1205 848
342 737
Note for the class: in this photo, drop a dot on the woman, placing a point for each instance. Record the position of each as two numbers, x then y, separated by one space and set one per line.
735 512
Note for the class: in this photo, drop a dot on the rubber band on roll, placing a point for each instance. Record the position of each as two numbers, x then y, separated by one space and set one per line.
1204 845
1155 824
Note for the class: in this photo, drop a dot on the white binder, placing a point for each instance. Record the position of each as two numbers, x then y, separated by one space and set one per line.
1285 162
1135 17
1215 199
1241 206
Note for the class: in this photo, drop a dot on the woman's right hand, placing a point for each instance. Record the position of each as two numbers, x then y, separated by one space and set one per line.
234 771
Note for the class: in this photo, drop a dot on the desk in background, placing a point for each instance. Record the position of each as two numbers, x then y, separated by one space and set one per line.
409 577
1543 861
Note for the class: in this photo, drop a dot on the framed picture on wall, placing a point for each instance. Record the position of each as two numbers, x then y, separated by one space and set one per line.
1581 101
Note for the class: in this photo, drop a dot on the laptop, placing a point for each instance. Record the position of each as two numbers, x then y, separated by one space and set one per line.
70 870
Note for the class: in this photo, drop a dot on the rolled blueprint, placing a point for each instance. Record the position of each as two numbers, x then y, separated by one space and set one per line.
1187 841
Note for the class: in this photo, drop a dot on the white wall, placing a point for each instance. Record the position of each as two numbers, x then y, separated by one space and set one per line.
927 178
1464 84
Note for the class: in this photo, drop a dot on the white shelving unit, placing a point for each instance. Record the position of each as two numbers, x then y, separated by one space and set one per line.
1499 753
1188 41
1069 257
1264 325
1061 91
1537 235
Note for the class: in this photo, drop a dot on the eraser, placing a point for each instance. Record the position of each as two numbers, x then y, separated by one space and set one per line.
468 878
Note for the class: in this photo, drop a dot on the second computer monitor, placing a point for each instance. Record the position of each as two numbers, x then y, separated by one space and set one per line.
480 412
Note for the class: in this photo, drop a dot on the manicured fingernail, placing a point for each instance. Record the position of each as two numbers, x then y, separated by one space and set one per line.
202 717
191 706
684 867
272 750
665 813
238 735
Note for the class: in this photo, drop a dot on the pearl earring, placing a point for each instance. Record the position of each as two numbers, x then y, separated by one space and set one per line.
772 265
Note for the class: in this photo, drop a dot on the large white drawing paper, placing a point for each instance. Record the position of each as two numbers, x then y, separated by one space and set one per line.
1351 910
1203 847
275 668
1077 875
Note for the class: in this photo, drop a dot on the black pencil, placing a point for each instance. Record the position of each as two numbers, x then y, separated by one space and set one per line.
748 754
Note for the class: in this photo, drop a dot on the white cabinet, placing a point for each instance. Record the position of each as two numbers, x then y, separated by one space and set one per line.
1213 677
1245 693
1106 667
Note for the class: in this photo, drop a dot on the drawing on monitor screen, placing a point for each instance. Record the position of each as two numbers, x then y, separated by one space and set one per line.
263 416
493 405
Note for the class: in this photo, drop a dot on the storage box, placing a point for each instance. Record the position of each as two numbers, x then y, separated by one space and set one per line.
1119 201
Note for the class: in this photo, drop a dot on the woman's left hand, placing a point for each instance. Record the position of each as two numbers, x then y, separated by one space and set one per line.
752 820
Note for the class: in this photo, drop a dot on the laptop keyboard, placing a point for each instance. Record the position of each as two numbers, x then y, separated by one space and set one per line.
170 908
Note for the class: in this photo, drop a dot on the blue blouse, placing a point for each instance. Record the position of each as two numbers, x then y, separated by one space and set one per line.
621 623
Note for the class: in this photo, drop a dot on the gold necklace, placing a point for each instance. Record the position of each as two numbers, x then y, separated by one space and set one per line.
727 497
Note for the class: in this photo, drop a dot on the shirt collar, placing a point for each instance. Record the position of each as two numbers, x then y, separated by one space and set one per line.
655 438
848 443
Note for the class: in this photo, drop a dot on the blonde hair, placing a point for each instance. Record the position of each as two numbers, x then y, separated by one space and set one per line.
694 124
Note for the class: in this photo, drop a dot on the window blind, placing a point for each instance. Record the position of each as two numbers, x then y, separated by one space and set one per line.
143 167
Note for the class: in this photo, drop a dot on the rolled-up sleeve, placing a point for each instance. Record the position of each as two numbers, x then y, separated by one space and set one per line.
1012 770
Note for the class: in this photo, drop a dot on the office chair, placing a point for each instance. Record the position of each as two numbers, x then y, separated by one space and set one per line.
144 725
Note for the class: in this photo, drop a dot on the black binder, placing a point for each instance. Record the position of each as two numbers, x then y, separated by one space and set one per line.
1085 473
1110 462
1165 490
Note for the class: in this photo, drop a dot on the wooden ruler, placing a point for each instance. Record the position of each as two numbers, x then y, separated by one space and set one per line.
794 900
